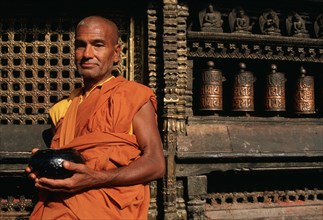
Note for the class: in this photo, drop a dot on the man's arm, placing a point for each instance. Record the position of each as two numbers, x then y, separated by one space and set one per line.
150 166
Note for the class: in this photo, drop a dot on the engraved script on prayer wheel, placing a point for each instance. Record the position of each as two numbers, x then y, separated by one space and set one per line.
275 91
304 95
243 90
211 88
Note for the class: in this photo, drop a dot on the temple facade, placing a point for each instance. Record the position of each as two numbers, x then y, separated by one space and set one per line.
239 86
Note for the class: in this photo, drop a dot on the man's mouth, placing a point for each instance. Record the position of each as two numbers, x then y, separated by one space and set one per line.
88 65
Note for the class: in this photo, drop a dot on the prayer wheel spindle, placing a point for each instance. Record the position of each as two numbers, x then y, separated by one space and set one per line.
243 90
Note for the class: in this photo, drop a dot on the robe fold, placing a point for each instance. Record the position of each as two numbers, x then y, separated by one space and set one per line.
100 127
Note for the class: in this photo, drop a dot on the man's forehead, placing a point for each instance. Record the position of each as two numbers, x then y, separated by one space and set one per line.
98 28
94 30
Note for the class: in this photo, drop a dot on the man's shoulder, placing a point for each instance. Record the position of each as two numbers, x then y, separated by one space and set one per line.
138 85
133 85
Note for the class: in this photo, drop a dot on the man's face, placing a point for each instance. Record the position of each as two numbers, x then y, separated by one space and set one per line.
95 51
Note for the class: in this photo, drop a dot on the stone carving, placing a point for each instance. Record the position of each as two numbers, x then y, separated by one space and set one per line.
210 20
239 21
295 25
269 23
318 26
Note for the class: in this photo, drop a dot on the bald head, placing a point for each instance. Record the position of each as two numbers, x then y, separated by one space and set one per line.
99 21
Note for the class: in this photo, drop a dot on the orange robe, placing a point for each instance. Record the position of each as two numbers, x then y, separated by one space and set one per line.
100 128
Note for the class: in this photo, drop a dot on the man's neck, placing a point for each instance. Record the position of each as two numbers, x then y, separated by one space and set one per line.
89 83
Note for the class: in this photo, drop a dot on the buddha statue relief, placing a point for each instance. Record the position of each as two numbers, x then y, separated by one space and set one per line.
210 20
318 26
239 21
269 23
295 25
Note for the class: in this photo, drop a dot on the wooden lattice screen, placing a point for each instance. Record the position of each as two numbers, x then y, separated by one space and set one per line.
37 67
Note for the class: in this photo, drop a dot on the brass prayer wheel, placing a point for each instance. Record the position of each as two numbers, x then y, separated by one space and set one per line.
304 95
243 90
211 88
275 90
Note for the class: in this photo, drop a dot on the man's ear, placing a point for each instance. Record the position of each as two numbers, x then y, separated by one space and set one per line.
117 50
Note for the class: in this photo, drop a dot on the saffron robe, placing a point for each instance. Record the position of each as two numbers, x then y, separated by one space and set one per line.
100 128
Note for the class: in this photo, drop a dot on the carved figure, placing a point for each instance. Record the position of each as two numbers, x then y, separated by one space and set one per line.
269 23
318 26
239 21
295 25
210 20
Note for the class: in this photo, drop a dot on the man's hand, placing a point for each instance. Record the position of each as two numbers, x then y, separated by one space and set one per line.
29 171
82 179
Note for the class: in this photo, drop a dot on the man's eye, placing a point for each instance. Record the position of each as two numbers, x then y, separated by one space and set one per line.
79 45
99 45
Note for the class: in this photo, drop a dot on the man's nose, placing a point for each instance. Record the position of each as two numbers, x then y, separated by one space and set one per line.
88 52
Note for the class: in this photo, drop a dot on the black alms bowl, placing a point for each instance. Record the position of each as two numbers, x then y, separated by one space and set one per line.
49 162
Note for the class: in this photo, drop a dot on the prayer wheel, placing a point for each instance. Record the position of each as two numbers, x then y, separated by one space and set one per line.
243 90
211 88
304 95
275 90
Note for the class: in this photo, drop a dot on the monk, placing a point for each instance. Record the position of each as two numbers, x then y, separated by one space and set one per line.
112 122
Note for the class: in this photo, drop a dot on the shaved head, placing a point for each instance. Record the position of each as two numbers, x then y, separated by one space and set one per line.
103 22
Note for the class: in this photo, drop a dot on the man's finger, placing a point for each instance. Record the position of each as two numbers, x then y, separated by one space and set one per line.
71 166
34 150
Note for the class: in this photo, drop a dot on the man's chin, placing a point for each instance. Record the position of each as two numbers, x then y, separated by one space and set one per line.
87 74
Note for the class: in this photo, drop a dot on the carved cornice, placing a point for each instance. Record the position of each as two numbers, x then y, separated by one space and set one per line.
170 39
171 99
182 67
152 47
255 46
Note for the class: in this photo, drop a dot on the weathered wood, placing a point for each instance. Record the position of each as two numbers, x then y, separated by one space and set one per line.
22 138
252 139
